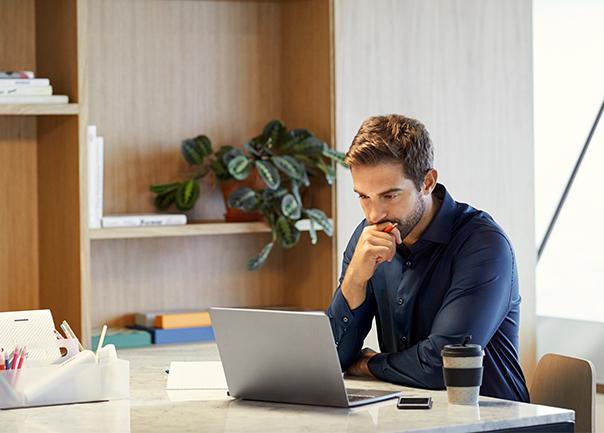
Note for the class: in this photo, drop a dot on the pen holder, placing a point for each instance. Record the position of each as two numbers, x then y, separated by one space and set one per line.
56 384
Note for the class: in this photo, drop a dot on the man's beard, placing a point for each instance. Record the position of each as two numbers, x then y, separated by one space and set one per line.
406 225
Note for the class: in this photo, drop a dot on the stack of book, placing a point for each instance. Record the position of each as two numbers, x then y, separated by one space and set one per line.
176 326
21 87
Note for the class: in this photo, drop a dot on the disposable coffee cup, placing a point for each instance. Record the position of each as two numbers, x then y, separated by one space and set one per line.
462 370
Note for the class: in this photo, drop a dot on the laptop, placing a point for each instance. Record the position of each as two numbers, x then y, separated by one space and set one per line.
285 357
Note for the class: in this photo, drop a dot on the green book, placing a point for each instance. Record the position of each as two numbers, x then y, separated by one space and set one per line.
123 338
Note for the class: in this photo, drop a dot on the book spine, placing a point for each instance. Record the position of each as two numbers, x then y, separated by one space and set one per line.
94 220
183 320
16 74
143 220
25 90
182 335
99 167
164 220
35 82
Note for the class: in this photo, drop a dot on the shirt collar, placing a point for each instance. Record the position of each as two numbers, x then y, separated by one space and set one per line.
441 225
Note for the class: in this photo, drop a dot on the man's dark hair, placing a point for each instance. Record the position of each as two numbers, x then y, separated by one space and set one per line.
393 139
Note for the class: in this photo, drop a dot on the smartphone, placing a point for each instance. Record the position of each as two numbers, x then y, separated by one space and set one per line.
414 403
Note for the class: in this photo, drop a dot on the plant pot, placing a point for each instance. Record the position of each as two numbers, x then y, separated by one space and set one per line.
233 215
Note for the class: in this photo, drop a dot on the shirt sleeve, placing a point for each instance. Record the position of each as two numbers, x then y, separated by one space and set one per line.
476 303
350 327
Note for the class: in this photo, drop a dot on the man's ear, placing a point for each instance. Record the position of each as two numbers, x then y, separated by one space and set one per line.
430 181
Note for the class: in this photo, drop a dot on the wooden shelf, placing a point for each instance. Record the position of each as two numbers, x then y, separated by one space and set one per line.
38 109
197 229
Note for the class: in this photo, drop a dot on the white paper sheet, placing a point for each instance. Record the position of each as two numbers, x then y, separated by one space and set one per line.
196 375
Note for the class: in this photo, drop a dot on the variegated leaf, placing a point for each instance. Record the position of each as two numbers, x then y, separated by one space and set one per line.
239 167
290 207
312 232
287 233
186 195
319 217
192 152
257 262
269 174
204 144
243 198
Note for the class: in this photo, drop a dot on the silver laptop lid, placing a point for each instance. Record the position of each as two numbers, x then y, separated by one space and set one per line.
281 356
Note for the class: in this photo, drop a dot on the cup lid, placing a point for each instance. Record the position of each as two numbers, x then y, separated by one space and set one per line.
462 350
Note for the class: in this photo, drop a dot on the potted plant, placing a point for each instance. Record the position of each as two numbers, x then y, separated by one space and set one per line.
277 164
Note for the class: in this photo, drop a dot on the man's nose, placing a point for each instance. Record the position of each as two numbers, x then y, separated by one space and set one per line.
376 214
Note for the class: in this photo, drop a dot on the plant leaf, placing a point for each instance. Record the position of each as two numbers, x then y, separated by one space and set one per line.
296 192
335 155
228 153
204 144
290 166
243 198
257 262
321 219
187 194
239 167
166 187
330 172
192 151
164 201
312 232
310 146
269 174
287 233
273 133
290 207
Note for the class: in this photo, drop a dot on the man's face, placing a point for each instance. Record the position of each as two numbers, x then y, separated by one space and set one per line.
386 195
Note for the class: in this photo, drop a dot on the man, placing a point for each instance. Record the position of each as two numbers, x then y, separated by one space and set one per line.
444 272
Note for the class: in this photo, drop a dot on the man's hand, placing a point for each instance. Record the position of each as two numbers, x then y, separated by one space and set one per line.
360 366
374 247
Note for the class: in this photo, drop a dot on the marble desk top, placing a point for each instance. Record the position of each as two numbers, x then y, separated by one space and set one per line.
153 409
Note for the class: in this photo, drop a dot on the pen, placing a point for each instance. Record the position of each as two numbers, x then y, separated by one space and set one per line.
22 357
2 366
13 364
101 340
390 228
5 360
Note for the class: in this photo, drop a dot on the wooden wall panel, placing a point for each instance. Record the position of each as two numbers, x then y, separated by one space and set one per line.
17 35
56 45
162 71
169 273
464 68
18 213
59 218
307 101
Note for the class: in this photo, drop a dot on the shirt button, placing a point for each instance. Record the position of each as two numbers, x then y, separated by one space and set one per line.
408 263
345 319
400 301
404 339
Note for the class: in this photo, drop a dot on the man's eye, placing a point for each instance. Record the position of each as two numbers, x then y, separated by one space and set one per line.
389 196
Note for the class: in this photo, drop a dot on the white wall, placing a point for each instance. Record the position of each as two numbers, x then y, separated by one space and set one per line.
464 68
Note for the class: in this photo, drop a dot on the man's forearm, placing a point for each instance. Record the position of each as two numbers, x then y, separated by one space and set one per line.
353 291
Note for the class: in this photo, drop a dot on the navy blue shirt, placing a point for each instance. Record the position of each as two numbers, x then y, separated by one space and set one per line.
458 279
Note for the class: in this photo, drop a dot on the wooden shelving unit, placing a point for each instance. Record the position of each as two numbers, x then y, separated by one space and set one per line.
38 109
149 74
195 229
